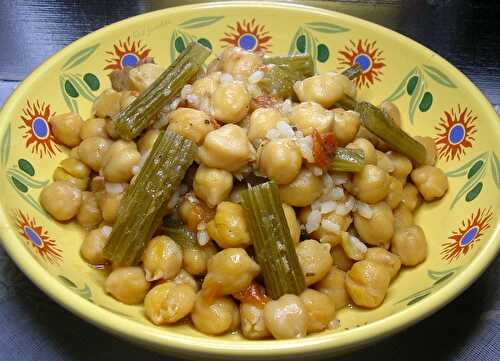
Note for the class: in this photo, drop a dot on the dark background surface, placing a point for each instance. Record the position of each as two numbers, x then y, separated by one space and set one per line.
466 33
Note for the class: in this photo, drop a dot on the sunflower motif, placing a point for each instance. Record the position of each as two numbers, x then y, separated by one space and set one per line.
249 36
127 53
368 56
38 238
464 238
38 134
456 130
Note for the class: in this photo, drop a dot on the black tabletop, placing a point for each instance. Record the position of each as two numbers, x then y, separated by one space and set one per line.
466 33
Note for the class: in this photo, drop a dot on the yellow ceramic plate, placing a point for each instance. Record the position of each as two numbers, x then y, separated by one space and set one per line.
434 98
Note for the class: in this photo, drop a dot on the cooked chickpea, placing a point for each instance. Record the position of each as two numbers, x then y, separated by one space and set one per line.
371 185
372 138
280 160
410 245
169 302
194 211
93 127
184 278
60 174
76 168
229 228
240 64
345 126
142 76
162 258
212 185
231 102
333 285
392 111
147 140
431 182
66 128
292 222
384 162
378 230
309 116
286 317
315 260
325 89
385 258
110 129
190 123
128 96
430 149
325 235
367 147
367 283
252 322
61 200
109 205
402 216
402 165
226 148
215 317
395 193
195 260
341 259
320 310
89 215
92 247
303 190
261 121
411 198
107 104
127 285
206 86
117 167
230 270
92 150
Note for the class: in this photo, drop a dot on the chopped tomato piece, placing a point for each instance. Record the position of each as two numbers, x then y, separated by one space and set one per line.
254 294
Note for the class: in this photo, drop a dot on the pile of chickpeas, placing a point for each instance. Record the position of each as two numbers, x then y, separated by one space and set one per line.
348 257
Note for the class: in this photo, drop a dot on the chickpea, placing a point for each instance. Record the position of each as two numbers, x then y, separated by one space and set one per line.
92 150
195 259
128 96
385 258
252 322
410 245
411 198
371 185
76 168
367 283
430 148
325 89
261 121
109 205
309 116
345 126
378 230
402 216
229 228
206 86
117 167
314 259
384 162
229 271
431 182
240 64
372 138
194 211
60 174
169 302
89 215
340 259
147 140
325 235
66 128
280 160
212 185
226 148
231 102
61 200
110 129
391 110
402 165
127 285
162 258
304 189
92 247
93 127
367 147
142 76
333 285
191 123
215 317
320 310
73 153
292 222
395 193
286 317
184 278
107 104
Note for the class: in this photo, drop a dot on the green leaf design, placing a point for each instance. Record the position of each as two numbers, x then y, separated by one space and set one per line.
495 169
400 90
82 87
67 282
418 299
5 147
30 182
416 97
79 57
84 291
444 278
71 103
463 170
416 294
200 22
327 28
172 46
293 49
438 76
471 183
